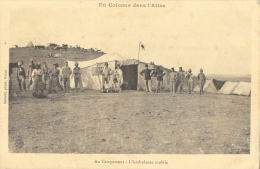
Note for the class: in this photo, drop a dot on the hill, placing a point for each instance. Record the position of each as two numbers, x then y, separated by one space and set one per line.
41 55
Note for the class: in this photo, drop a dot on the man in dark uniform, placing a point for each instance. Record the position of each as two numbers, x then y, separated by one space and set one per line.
159 73
147 77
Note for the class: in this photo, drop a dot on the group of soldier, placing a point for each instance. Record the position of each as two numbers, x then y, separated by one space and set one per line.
41 77
176 79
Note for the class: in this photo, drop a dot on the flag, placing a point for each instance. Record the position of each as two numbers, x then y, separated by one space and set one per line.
142 47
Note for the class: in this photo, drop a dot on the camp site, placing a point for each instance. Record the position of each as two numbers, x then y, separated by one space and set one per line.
129 122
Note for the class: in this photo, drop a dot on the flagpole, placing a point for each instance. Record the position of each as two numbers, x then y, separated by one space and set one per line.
139 50
138 75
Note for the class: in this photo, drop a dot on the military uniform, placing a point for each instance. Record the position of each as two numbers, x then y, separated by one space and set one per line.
190 77
77 78
66 72
46 77
173 82
180 80
147 78
201 81
30 70
159 74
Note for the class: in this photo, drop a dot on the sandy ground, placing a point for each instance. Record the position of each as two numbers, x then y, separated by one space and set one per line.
131 122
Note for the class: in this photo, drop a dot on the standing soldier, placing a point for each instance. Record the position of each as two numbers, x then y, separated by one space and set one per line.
159 73
201 80
20 74
173 80
147 78
106 72
77 77
180 79
45 76
31 68
190 77
66 72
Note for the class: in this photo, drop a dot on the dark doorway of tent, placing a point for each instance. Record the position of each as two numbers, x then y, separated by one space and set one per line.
130 77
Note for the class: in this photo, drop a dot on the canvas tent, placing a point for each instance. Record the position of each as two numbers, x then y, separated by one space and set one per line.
243 88
92 79
211 86
30 45
228 87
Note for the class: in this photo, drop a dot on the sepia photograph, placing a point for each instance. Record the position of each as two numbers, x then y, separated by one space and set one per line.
132 78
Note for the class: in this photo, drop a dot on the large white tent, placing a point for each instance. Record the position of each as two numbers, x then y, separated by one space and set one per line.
92 79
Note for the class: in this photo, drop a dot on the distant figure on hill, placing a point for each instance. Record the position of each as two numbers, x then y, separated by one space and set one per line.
66 72
173 81
147 77
30 69
180 79
201 80
190 77
76 73
20 75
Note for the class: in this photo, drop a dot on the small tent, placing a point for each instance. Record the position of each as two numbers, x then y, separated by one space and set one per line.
30 45
228 87
131 68
243 88
211 86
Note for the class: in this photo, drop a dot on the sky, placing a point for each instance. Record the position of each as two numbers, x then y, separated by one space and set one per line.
219 41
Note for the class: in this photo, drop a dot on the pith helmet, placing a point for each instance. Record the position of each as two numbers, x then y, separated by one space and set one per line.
76 63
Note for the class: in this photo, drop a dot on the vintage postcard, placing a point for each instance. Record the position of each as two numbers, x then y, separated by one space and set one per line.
129 84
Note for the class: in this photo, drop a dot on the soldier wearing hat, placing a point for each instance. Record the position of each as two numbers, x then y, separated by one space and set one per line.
180 79
173 81
159 73
147 77
76 73
190 77
201 80
20 75
45 75
66 72
32 66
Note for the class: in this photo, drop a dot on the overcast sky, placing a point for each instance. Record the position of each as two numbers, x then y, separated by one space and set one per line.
215 40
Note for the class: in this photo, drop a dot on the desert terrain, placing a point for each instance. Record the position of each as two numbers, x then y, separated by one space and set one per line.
130 122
